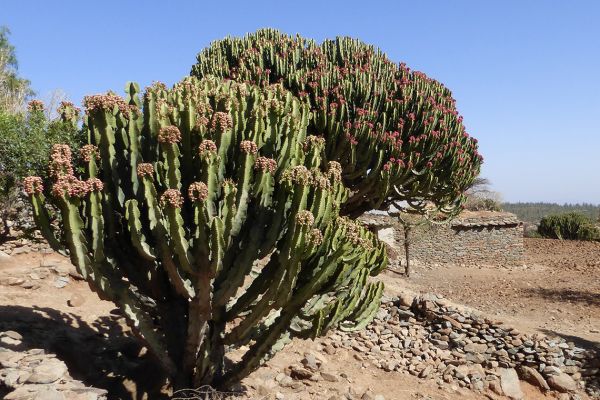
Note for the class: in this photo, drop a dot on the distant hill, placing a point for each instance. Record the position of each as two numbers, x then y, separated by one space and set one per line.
534 212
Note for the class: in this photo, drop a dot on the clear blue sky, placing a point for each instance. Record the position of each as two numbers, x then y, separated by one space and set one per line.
526 74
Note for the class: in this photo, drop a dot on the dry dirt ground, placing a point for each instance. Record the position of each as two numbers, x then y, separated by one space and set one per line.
556 292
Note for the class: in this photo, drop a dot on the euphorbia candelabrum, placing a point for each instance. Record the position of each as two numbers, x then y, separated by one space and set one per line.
215 214
181 203
395 132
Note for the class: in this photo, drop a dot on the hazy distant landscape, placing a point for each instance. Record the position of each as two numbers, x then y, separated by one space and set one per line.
534 212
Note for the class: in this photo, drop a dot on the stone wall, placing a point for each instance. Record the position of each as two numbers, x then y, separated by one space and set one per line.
473 238
430 337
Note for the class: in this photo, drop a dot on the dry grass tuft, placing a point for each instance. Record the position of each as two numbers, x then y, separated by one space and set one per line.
205 393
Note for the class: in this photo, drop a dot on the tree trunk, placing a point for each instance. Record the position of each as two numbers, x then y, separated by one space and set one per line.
407 232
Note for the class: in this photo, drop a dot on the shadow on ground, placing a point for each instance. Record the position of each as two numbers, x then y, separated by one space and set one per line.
568 295
101 354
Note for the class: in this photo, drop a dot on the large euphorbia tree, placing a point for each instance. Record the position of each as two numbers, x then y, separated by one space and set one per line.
395 132
214 214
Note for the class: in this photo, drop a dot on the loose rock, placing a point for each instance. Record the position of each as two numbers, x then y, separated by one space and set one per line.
562 382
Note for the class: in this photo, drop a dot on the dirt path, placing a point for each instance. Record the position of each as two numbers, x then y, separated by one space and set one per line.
556 292
90 337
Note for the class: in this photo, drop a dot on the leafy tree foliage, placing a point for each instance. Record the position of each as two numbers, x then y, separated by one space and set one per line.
13 89
25 143
26 134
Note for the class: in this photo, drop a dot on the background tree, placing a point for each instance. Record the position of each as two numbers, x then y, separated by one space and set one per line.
14 90
479 196
414 225
533 212
25 143
27 131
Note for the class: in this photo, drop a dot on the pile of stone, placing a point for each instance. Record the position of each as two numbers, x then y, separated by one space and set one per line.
24 246
23 238
35 374
60 272
428 337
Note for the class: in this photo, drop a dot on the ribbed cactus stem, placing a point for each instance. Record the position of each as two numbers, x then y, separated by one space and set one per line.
42 220
212 220
169 137
133 215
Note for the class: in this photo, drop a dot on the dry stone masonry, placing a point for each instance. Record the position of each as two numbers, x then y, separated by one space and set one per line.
473 238
430 338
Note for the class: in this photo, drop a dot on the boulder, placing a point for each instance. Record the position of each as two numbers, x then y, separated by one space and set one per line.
562 382
49 394
76 300
509 381
300 373
48 371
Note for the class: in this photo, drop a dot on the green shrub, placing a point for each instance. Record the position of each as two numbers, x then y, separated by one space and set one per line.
572 226
25 143
532 234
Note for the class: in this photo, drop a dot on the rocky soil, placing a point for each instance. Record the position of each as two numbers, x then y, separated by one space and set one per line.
75 346
555 292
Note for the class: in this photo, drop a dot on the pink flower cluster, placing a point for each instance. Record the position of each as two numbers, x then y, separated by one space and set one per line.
206 148
265 164
67 110
169 134
106 102
248 147
298 175
305 218
198 191
73 187
312 141
156 86
275 106
320 181
202 110
353 232
95 185
60 161
315 237
89 152
33 185
145 169
171 197
334 171
163 108
35 106
61 169
221 122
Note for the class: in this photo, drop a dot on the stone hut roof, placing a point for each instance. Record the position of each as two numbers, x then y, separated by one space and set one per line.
377 219
485 219
467 219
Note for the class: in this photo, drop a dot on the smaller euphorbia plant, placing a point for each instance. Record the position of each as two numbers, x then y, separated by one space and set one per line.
182 200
